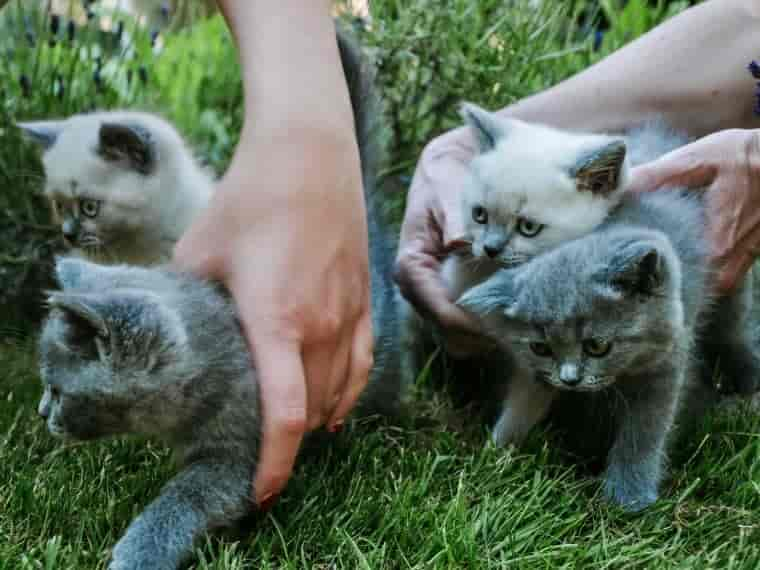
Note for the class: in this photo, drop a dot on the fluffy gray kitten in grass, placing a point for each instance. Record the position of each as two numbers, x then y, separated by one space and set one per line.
131 350
612 331
123 185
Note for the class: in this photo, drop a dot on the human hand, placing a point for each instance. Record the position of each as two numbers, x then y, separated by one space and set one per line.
727 164
433 227
286 232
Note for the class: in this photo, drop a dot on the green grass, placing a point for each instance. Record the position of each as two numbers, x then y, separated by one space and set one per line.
429 493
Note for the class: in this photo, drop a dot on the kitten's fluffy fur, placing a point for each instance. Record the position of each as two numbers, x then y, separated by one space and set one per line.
557 184
150 351
122 184
613 329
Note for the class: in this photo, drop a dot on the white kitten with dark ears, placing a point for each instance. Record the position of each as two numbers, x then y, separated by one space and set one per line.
123 185
531 187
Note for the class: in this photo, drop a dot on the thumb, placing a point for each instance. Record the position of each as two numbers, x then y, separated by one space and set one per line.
682 167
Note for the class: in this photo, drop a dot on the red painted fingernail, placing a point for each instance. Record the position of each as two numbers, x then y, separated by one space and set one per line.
266 504
337 427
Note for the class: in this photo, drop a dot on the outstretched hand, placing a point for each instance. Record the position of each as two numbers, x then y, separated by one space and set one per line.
727 165
286 232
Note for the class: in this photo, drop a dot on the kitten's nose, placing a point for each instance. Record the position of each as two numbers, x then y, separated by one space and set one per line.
70 228
568 374
492 250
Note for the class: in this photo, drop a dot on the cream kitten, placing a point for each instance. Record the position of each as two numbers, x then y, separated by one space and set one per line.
123 185
531 188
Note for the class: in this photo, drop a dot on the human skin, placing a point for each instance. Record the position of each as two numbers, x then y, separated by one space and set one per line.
301 285
690 70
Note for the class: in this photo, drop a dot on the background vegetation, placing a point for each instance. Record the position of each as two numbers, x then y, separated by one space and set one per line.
424 495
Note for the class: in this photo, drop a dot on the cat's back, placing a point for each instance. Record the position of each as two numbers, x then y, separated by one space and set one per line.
679 214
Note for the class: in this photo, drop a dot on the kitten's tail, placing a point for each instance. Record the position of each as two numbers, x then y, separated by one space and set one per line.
365 104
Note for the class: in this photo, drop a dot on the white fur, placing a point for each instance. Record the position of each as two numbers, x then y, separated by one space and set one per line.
154 209
527 174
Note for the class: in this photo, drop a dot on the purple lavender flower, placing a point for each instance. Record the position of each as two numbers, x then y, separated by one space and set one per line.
26 85
55 24
165 11
754 69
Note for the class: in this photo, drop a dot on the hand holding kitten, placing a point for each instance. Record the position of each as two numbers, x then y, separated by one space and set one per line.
431 228
286 232
727 163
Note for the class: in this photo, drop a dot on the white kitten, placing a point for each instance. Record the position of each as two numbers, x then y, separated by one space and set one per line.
531 188
123 185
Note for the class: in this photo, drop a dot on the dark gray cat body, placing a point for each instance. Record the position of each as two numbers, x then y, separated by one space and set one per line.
160 353
611 332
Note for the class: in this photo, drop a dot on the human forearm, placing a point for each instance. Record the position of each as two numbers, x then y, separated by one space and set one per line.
293 79
691 70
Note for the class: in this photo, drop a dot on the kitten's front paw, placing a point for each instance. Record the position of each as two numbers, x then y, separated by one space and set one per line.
632 495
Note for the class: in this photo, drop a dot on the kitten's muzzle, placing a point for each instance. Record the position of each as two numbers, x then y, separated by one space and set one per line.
569 375
70 230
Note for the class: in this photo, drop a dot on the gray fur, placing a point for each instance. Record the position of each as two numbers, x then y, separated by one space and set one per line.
640 283
130 350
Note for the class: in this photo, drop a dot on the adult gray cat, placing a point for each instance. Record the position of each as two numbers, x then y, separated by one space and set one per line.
160 353
611 329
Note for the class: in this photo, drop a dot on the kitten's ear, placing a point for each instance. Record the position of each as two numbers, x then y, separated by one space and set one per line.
602 169
638 268
129 144
44 133
87 331
497 294
487 127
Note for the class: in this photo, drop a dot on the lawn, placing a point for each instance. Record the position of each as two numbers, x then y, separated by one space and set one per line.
425 492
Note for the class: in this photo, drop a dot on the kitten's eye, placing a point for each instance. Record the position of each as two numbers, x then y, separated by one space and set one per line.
529 228
596 348
89 208
479 215
55 392
541 349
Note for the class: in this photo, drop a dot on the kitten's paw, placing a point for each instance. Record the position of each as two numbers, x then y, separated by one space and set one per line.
633 496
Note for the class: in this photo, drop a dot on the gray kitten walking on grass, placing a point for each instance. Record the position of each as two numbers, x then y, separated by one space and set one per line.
612 332
159 353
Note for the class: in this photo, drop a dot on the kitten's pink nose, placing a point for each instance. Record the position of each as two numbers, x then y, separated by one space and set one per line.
491 250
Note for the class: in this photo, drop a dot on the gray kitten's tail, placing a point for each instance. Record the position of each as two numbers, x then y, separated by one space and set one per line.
365 104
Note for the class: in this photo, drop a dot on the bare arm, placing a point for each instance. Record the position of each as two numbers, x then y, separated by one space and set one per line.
301 285
691 70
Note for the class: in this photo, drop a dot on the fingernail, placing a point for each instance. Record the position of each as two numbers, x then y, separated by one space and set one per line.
337 427
266 504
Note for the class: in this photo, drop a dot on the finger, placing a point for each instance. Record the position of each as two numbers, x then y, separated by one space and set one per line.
418 276
362 359
681 167
326 366
734 270
283 408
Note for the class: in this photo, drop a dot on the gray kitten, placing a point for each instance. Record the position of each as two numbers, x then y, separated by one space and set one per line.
129 350
610 331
